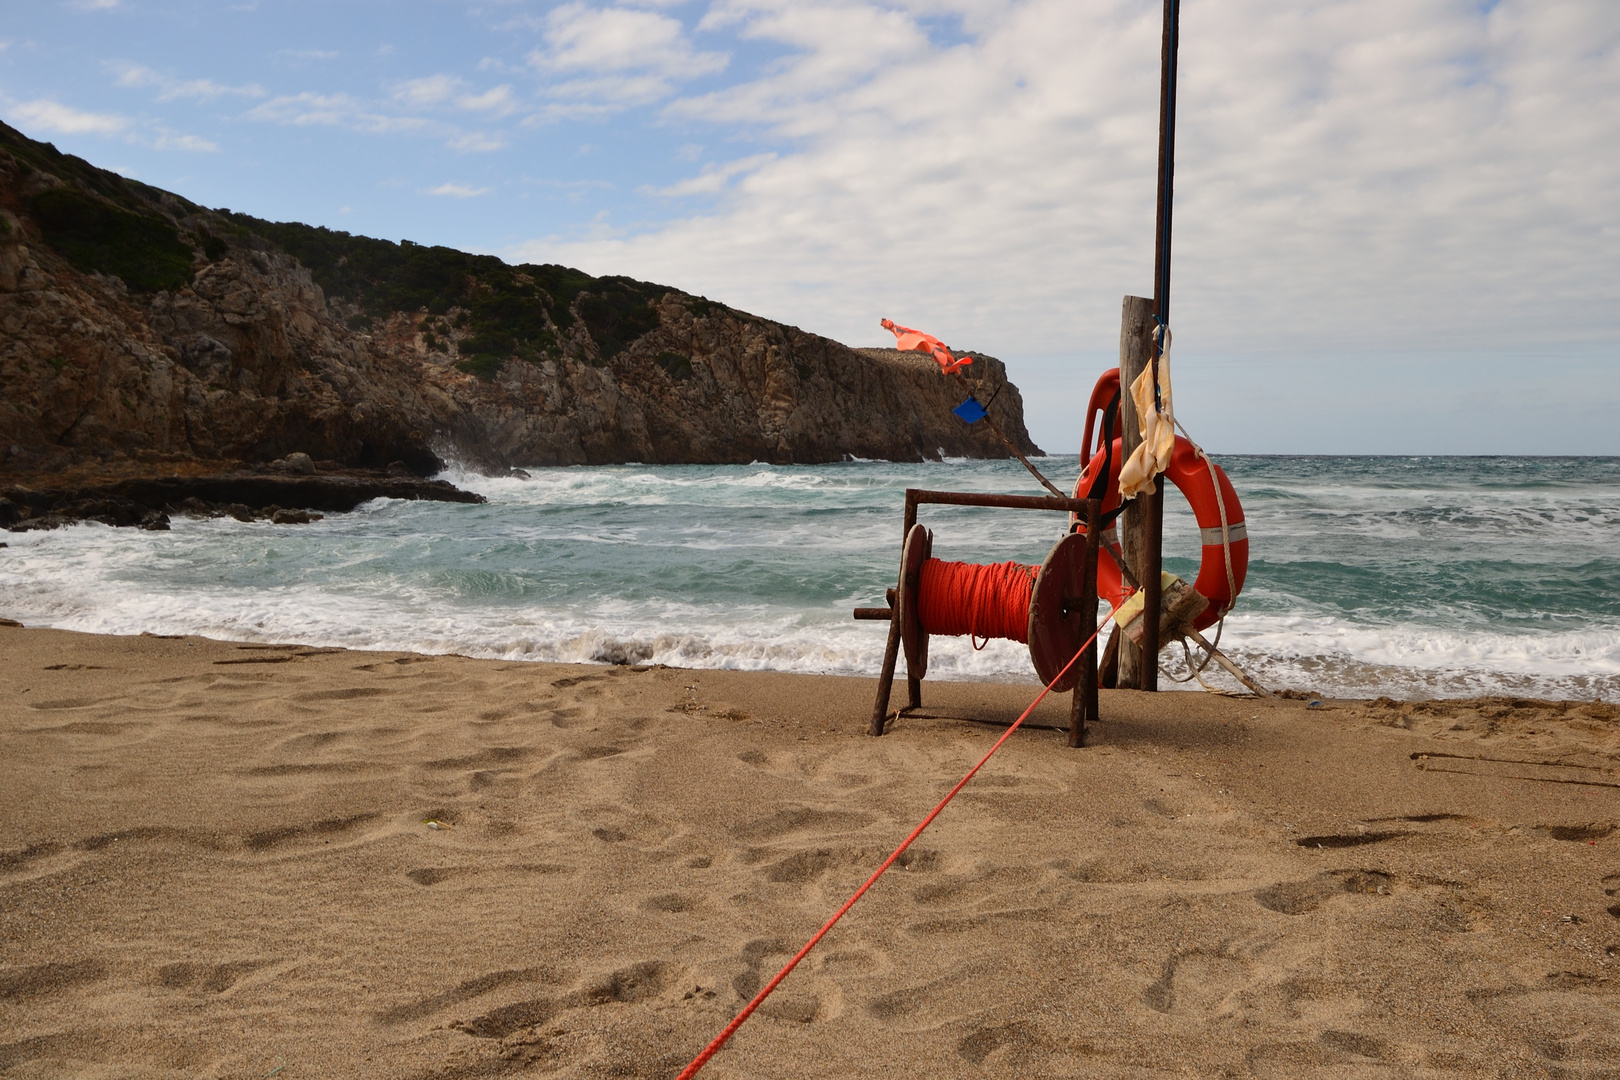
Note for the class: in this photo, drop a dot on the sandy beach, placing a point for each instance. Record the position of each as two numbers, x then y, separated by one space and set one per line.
226 860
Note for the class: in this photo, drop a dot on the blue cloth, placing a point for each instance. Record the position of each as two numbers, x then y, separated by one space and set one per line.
970 410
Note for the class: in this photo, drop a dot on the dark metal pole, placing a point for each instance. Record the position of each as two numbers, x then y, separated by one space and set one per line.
1154 562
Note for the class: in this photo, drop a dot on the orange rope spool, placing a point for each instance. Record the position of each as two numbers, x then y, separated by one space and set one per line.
981 600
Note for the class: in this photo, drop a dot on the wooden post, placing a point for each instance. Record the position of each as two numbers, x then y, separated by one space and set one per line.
1135 354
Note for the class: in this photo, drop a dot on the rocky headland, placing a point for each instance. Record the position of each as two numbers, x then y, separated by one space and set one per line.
142 335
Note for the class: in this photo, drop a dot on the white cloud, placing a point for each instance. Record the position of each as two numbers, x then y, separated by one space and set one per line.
430 90
619 55
449 91
1350 173
621 91
172 89
713 178
52 116
457 191
475 142
96 5
497 100
172 140
308 54
338 110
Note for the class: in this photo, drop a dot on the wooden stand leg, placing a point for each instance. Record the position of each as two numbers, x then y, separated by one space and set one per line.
891 653
1083 709
913 692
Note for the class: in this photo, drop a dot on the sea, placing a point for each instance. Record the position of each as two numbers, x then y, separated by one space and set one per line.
1406 577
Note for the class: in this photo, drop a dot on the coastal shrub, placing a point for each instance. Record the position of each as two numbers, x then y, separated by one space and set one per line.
485 366
98 237
674 364
618 312
34 156
508 310
703 307
804 370
213 246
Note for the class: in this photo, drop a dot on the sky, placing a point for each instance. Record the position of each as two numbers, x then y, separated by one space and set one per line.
1397 222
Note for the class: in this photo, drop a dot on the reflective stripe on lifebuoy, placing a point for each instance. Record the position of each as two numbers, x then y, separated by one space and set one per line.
1191 472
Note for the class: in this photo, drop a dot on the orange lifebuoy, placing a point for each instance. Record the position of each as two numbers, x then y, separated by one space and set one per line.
1201 481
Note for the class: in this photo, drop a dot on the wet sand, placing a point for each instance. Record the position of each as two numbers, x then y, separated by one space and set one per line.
216 861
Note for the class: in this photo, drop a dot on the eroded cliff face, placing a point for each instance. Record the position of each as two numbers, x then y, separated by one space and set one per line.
226 348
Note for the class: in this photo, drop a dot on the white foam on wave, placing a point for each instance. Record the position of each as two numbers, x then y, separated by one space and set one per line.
1336 657
441 578
88 578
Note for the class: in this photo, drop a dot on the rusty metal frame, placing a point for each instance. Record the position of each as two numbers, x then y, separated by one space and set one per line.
1083 708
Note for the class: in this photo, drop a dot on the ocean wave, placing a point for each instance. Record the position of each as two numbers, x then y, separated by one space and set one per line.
756 567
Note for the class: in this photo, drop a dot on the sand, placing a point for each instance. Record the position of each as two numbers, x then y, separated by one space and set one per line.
215 862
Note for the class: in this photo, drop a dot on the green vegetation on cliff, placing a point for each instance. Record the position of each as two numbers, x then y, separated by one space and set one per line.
98 237
509 311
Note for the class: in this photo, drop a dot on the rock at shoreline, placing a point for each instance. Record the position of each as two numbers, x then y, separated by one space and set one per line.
283 499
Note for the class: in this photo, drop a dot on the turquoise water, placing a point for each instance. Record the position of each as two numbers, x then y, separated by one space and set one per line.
1401 576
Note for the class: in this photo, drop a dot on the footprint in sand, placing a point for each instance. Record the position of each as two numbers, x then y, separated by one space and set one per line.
671 903
208 978
1348 840
1198 982
763 956
795 819
42 980
803 867
428 876
40 859
324 829
1580 834
1015 1046
463 992
1302 897
1330 1054
632 985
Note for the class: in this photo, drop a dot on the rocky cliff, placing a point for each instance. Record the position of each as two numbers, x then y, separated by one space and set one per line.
136 326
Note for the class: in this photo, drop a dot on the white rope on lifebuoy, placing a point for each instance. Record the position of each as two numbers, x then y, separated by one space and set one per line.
1197 671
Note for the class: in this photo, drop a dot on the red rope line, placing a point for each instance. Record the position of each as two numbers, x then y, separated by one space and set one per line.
759 998
983 600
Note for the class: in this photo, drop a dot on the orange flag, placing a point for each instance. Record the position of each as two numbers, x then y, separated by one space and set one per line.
909 340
